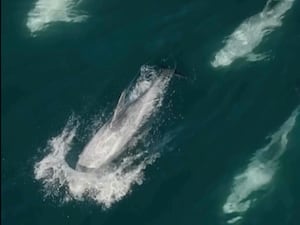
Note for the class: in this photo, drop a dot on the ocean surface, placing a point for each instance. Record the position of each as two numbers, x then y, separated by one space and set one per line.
150 112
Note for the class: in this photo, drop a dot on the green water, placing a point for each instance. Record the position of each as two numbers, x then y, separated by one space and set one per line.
219 117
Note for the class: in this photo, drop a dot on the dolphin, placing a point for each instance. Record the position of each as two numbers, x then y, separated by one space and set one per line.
135 107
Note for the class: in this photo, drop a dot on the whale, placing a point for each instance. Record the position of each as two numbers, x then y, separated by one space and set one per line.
249 35
135 107
46 12
249 184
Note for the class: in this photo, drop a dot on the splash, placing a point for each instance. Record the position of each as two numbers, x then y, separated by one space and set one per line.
98 175
250 34
46 12
259 173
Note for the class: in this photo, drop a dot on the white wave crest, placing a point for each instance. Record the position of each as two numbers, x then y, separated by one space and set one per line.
110 183
46 12
250 34
259 172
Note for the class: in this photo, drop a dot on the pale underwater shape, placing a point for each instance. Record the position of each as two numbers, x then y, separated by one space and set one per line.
259 172
46 12
114 180
250 34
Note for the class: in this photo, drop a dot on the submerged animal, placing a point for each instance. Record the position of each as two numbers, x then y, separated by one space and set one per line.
46 12
135 106
250 34
248 185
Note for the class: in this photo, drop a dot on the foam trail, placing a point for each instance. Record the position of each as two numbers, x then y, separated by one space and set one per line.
259 172
46 12
110 183
250 34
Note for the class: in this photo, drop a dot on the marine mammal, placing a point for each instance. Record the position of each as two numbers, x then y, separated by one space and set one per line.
250 34
46 12
135 106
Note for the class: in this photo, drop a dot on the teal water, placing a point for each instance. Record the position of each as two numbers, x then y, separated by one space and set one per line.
217 119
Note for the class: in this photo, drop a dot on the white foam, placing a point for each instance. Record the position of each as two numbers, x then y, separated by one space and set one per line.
111 182
259 172
46 12
250 34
